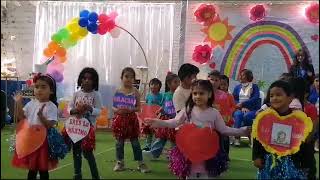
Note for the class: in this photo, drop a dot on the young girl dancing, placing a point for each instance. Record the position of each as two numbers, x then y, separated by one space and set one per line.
199 111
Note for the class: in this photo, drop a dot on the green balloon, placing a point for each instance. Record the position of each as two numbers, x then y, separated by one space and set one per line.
64 33
66 43
56 38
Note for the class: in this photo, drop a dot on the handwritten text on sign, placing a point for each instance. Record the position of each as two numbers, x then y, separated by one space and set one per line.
76 128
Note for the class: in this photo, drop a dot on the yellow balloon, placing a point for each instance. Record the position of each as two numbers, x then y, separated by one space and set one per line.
76 20
82 32
73 27
74 37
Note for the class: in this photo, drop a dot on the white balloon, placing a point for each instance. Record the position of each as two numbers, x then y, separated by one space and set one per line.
115 33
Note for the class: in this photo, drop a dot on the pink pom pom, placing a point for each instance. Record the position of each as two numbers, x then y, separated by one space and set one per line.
179 165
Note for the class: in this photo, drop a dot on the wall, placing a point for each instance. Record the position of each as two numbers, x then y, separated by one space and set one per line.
18 19
266 61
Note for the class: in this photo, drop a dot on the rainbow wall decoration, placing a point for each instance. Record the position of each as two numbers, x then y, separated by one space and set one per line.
256 34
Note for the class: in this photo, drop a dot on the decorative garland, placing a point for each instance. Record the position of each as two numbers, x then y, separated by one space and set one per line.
76 30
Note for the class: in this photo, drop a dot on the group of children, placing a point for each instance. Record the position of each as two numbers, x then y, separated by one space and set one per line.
206 103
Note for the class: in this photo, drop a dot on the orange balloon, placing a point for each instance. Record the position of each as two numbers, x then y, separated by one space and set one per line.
48 52
62 59
53 45
61 52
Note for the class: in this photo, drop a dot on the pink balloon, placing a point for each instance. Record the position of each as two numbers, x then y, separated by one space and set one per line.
55 66
110 24
115 33
102 28
113 15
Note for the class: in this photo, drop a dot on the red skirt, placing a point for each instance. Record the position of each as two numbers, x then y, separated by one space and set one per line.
37 161
88 143
166 133
146 129
126 126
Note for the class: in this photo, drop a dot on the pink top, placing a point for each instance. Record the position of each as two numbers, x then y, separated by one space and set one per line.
209 117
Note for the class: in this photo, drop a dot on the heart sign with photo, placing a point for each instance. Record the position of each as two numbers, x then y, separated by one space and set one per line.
197 144
77 128
281 135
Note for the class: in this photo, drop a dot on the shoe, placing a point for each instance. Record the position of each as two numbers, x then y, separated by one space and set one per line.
148 155
146 149
143 168
237 142
316 146
119 166
231 140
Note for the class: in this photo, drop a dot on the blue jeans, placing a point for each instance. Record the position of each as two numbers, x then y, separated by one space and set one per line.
157 147
136 148
243 119
77 161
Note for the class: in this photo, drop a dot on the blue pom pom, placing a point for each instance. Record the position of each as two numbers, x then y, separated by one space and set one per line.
57 147
84 13
284 169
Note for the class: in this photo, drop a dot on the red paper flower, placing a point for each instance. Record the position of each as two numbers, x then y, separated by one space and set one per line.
312 13
212 65
205 14
257 13
201 54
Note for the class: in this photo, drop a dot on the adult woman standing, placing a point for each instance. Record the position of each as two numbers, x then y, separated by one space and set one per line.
301 67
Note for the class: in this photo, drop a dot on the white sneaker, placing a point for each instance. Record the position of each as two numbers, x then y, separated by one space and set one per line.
237 142
148 155
231 140
316 146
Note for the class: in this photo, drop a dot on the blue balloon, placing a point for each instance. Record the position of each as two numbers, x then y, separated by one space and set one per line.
84 13
83 22
93 17
92 27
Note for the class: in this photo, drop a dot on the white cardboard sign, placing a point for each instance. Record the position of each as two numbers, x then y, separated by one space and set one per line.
76 128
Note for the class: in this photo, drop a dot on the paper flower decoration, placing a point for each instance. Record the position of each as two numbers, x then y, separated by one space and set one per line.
312 13
202 54
205 13
257 13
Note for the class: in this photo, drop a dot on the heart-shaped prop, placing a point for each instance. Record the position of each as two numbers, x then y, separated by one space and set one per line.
197 144
76 128
29 138
281 135
148 111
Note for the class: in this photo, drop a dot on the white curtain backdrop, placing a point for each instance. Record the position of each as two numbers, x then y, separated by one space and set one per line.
152 24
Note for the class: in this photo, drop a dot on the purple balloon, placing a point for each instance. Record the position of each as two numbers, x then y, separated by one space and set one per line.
55 66
56 75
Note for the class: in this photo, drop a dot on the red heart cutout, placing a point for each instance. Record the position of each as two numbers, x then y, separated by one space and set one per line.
197 144
315 37
282 135
29 138
148 111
